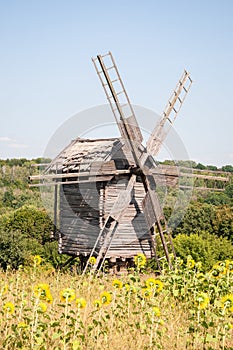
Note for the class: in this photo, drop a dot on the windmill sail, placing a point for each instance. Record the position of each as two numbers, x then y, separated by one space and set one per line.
170 113
119 101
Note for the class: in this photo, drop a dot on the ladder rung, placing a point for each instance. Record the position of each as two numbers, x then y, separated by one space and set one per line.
125 104
110 67
105 55
121 92
109 97
185 89
174 110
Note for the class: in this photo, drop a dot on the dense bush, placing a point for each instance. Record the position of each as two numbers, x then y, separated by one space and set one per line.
29 221
206 248
15 249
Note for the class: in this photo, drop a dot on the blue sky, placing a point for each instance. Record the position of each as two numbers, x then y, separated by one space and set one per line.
46 73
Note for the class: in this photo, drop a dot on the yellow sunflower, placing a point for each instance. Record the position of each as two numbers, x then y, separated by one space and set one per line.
129 288
117 284
190 263
42 292
217 271
202 300
229 266
154 284
37 260
97 303
67 295
22 325
49 298
146 292
156 311
92 260
227 302
42 307
4 289
140 260
158 285
81 303
105 298
9 308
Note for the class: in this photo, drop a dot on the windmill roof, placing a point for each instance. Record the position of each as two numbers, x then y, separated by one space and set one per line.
83 152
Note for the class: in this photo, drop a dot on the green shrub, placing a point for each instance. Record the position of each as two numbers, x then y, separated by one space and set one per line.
16 249
207 248
30 221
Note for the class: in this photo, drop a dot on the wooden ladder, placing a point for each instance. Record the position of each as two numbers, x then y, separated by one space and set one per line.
170 114
106 234
117 96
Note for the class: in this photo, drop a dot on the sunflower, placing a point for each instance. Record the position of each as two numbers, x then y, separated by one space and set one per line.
81 303
42 292
227 302
229 266
129 288
199 265
228 326
4 289
217 271
190 263
202 300
67 295
37 260
154 284
49 298
156 311
22 325
200 276
158 285
146 293
117 284
140 260
42 307
9 308
92 260
105 298
97 303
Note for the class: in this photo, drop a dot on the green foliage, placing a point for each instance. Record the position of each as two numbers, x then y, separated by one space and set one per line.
211 167
15 249
217 198
200 166
198 217
229 191
206 248
50 254
201 217
227 168
30 221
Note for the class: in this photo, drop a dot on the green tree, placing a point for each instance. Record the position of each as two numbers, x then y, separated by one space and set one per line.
227 168
207 248
30 221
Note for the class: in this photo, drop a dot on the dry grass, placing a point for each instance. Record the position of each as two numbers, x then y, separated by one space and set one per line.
165 315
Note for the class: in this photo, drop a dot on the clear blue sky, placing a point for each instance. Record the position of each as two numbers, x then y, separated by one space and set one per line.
46 73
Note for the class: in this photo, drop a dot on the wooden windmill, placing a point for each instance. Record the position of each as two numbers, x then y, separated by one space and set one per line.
106 188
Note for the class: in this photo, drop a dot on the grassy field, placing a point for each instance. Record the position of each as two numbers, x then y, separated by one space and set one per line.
182 309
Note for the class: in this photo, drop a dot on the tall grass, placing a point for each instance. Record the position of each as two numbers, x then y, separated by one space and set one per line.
43 309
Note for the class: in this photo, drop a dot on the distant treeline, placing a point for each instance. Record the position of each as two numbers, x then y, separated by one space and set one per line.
23 161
